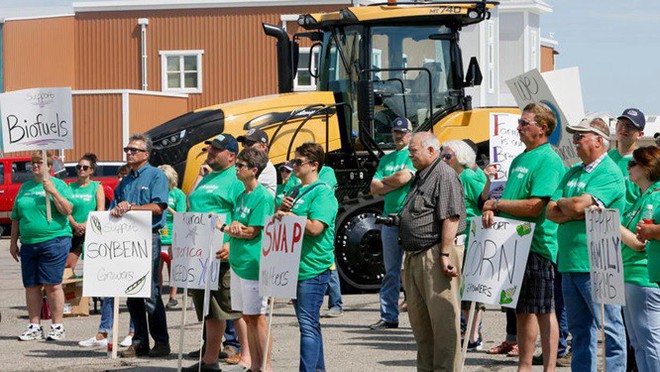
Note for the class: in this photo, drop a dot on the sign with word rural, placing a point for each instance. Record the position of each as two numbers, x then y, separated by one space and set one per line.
195 240
505 145
37 119
280 256
495 261
605 260
561 91
118 255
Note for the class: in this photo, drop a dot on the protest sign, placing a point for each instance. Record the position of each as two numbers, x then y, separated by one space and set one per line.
118 255
495 261
505 145
37 119
561 91
280 256
605 260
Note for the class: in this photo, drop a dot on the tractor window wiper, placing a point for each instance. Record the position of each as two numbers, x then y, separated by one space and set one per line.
344 61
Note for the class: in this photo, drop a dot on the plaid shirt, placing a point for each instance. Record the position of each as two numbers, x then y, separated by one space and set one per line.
593 164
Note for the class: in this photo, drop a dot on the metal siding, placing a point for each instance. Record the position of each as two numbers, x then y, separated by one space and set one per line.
146 112
97 122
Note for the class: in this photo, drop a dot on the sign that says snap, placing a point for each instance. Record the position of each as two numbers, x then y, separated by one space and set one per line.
280 256
605 260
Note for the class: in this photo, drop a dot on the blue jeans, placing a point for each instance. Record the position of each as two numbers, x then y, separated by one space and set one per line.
139 307
562 321
642 314
584 321
231 338
307 305
391 285
334 291
107 317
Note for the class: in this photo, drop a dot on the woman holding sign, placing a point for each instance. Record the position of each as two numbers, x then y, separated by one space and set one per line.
44 245
315 200
642 310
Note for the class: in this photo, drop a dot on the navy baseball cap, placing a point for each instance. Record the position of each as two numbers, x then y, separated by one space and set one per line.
254 135
402 125
635 116
224 142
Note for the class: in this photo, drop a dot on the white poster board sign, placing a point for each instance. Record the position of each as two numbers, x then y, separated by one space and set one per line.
505 145
195 240
495 261
605 260
118 255
562 92
280 256
37 119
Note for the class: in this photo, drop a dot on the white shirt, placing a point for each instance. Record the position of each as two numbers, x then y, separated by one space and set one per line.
268 178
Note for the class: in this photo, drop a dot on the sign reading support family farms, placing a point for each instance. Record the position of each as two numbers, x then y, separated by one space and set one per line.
505 145
495 261
37 119
118 255
605 260
280 256
195 241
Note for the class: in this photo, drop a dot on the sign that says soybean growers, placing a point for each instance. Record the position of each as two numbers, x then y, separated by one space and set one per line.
195 240
280 256
505 145
495 261
118 255
605 260
37 119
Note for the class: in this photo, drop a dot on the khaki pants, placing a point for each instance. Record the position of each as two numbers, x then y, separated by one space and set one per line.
433 308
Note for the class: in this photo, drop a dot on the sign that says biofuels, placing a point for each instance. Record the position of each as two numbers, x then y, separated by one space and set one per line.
37 119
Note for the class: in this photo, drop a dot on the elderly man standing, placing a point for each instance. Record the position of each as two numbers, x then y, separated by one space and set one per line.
433 214
145 189
533 178
597 181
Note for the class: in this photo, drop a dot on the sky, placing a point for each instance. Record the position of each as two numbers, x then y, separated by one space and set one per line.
615 44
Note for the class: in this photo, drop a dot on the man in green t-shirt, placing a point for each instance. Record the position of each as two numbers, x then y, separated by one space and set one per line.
597 181
533 178
629 129
392 181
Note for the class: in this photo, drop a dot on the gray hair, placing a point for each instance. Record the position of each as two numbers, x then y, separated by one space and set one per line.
144 138
464 153
427 139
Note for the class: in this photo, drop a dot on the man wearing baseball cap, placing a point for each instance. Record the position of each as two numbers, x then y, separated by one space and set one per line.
629 129
257 138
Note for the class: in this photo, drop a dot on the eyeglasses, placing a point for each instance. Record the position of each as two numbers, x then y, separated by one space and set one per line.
578 136
83 167
524 123
446 156
632 163
241 165
133 150
298 162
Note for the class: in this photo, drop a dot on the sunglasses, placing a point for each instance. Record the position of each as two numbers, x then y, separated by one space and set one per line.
524 123
632 163
133 150
37 163
446 156
83 167
578 136
241 165
298 162
248 143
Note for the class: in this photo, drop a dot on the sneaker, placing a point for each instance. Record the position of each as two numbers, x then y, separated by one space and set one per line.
33 332
172 303
565 360
475 346
127 341
94 343
56 333
335 312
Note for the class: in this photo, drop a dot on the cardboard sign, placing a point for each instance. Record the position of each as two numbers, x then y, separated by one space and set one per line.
495 261
280 256
195 240
505 145
561 91
605 261
37 119
118 255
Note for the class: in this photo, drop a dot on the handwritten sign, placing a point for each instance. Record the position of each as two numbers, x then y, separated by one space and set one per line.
37 119
280 256
195 241
505 145
118 255
495 261
561 91
606 263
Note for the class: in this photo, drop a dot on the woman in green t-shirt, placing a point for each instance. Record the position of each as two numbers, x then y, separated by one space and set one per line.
641 313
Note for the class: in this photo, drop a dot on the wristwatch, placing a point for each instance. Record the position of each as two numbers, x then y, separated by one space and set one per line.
496 204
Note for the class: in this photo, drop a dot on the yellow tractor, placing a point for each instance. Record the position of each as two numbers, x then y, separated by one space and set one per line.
375 63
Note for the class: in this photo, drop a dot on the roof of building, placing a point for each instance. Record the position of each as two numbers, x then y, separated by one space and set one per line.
124 5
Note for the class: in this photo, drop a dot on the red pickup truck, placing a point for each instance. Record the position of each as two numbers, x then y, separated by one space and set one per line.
15 171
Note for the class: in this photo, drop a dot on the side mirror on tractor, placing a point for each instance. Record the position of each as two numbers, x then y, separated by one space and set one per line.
473 76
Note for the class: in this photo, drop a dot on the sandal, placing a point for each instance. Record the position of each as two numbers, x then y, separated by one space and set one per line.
514 351
504 348
234 359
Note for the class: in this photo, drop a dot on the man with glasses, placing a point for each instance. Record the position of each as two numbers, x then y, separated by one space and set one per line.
629 129
258 139
533 177
145 189
597 181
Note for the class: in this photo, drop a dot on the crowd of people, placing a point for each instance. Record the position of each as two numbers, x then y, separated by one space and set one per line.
430 193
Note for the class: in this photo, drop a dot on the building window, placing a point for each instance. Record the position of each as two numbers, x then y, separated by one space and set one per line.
181 71
534 55
304 80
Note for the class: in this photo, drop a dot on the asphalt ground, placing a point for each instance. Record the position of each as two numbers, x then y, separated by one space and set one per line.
349 345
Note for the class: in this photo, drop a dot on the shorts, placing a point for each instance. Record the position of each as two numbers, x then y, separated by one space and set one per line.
537 293
220 301
245 296
77 244
43 263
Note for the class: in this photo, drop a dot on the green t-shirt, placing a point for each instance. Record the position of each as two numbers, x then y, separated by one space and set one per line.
83 200
30 211
635 264
326 175
632 191
251 210
389 164
653 248
536 174
176 200
473 184
319 203
605 183
217 193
